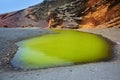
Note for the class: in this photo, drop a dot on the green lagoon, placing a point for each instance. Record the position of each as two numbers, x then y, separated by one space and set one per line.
63 47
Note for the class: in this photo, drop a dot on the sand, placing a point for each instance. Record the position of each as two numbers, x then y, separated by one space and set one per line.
109 70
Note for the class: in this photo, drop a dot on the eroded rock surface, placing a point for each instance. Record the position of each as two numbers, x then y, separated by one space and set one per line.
34 16
87 14
66 14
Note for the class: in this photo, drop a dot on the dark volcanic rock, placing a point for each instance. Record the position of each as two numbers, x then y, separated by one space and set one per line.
34 16
87 14
66 14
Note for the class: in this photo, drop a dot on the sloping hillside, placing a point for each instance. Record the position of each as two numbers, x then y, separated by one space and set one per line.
66 14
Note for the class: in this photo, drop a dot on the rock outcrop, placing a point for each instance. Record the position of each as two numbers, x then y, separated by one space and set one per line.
87 14
66 14
34 16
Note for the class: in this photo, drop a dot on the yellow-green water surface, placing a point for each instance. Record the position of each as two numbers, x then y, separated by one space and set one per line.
64 47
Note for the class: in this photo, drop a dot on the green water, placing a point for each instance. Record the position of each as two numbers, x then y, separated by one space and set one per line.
64 47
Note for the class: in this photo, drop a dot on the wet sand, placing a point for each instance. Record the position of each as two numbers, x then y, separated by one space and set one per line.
93 71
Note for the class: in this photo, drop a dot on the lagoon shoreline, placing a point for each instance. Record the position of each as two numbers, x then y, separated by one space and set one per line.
9 36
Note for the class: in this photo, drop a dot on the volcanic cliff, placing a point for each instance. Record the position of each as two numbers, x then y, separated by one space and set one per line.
66 14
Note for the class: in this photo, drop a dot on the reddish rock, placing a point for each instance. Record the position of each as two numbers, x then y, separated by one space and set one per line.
87 14
66 14
34 16
19 19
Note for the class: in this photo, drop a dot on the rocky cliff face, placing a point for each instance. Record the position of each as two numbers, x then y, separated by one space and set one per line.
102 14
87 14
34 16
66 14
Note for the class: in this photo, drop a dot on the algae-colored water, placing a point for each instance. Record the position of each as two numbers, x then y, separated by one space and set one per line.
64 47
